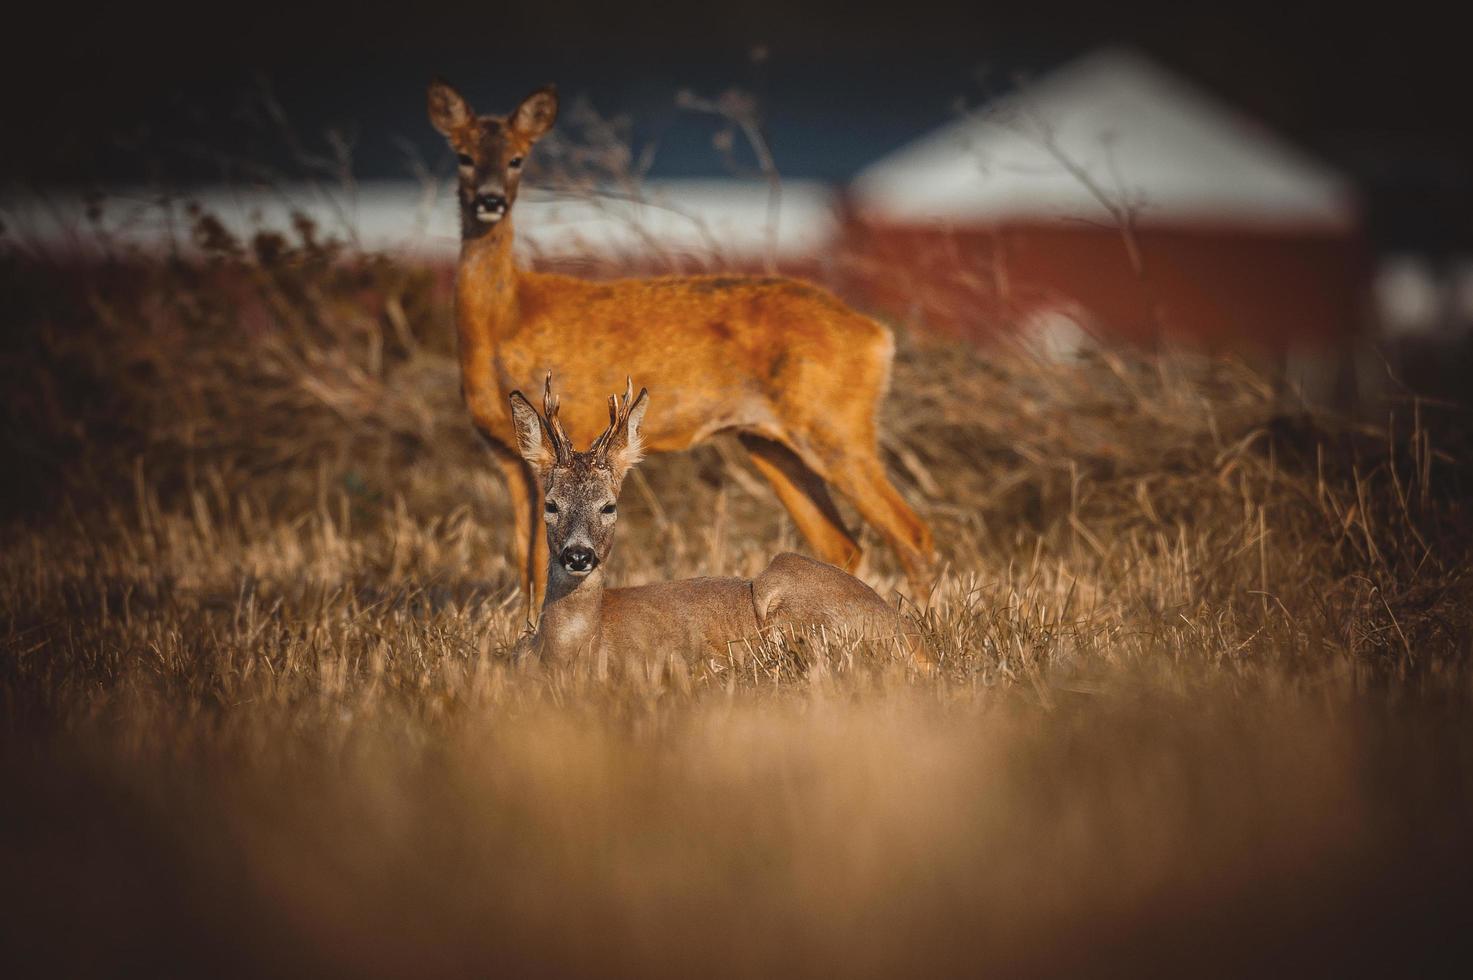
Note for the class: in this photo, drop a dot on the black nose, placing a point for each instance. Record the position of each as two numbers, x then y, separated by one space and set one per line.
495 203
578 559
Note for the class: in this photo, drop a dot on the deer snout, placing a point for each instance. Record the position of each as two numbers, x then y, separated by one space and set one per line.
490 205
578 560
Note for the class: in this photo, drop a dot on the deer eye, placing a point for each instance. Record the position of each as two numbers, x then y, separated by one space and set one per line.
515 163
608 509
465 159
551 507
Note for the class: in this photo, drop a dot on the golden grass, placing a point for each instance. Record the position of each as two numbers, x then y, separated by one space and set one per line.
1202 705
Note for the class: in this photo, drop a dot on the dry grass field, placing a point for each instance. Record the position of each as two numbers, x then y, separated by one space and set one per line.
1203 703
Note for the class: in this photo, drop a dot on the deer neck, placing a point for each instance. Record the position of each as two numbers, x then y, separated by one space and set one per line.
486 283
572 611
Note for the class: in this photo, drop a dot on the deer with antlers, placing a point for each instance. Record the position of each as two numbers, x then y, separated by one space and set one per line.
785 365
694 617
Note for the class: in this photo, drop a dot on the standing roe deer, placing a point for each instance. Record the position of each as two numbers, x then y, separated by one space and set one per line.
692 616
797 374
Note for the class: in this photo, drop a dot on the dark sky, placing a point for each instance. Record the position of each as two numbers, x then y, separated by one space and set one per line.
108 94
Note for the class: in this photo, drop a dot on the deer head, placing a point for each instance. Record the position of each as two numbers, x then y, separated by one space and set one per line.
580 489
490 150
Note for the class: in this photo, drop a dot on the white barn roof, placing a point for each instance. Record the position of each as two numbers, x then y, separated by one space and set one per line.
1111 124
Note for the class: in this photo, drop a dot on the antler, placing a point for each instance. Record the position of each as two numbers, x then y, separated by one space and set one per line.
562 446
618 418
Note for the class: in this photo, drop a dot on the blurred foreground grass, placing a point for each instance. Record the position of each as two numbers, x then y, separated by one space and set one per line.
1203 702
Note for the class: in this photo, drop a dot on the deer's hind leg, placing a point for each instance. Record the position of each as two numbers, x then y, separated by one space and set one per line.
838 440
806 498
852 466
862 479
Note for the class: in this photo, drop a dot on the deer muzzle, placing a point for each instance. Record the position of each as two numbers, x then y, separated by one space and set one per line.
490 206
578 560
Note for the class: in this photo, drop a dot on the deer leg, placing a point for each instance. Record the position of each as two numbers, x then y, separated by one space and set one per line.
537 546
528 538
534 545
806 498
862 479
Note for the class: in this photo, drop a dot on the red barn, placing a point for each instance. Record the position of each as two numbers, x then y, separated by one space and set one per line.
1112 198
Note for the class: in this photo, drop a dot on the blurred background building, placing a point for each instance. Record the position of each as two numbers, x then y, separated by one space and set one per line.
1112 198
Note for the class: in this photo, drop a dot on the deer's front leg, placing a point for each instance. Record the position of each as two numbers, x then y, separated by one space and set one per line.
528 534
537 556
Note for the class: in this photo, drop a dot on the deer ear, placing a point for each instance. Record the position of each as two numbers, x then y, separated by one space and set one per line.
626 447
449 111
535 116
532 441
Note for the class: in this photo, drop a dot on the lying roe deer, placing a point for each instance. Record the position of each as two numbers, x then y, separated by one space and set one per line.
792 370
580 616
